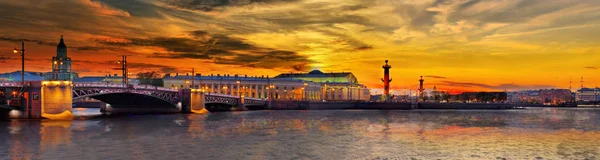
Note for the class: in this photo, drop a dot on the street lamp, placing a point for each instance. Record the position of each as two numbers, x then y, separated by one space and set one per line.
124 69
22 61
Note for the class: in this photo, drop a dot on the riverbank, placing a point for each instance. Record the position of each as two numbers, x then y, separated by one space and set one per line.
298 105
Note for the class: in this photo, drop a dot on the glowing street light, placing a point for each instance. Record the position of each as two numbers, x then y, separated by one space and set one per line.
22 61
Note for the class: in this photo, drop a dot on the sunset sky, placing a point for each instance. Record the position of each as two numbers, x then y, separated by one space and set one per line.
455 44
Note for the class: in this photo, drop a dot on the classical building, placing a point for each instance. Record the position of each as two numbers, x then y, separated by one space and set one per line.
542 96
61 64
312 86
588 95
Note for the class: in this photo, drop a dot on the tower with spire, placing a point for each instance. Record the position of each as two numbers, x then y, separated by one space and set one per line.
61 64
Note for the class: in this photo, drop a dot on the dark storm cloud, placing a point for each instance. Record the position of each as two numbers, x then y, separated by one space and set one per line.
48 43
510 86
210 5
40 42
220 49
134 7
131 65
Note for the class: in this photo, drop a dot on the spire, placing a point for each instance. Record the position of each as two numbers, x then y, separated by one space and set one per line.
61 49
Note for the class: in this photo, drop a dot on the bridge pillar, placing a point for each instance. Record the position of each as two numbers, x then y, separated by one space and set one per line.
185 99
56 99
241 106
192 100
105 107
197 101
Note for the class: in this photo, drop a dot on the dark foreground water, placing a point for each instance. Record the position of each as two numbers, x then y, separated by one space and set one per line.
546 133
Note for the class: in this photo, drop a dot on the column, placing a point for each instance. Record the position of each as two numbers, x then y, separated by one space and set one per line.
256 91
219 89
239 89
262 91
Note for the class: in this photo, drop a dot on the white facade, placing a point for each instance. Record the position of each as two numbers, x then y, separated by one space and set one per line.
275 88
588 94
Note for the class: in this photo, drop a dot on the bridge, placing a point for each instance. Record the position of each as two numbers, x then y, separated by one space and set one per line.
56 97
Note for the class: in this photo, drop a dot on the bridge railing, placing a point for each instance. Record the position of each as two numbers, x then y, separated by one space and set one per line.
149 87
108 85
256 99
222 95
103 85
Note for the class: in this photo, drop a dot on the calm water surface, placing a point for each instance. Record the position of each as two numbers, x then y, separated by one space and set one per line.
545 133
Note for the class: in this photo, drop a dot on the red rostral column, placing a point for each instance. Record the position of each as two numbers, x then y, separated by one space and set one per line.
386 80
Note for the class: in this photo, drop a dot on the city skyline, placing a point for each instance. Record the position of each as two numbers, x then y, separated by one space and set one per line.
515 45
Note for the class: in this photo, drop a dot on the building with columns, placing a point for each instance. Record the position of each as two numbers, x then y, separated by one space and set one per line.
282 87
61 65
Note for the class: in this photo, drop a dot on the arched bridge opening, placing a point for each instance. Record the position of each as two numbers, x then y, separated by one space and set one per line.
132 100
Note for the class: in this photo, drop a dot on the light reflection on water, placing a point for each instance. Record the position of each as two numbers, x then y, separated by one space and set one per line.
546 133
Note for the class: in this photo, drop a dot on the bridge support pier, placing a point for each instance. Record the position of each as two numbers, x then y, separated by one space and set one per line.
192 100
105 107
241 106
56 99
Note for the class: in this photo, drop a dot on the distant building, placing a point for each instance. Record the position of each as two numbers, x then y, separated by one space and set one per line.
588 95
542 96
16 76
61 64
312 86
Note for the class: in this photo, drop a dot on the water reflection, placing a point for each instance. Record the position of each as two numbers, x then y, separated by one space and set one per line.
421 134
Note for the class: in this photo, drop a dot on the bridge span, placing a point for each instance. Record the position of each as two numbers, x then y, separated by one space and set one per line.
47 98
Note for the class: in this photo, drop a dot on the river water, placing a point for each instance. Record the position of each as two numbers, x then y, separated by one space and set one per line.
538 133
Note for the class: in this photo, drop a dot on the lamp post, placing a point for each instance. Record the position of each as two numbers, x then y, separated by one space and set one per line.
193 78
123 68
22 98
22 61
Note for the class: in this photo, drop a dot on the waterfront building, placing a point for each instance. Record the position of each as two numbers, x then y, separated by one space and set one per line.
61 64
334 85
588 94
311 86
542 96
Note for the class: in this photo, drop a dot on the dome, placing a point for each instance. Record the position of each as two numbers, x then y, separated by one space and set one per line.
315 72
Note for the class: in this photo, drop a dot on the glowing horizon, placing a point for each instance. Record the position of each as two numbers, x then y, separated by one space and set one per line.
461 45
